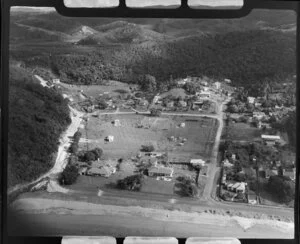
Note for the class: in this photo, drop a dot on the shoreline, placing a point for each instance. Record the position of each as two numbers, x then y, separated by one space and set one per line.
59 209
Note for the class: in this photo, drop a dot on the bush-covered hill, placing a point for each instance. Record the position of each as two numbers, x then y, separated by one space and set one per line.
246 57
37 117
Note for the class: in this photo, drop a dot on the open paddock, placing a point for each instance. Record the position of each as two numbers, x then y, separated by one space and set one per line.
241 132
137 130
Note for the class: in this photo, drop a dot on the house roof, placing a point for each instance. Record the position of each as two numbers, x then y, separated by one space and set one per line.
270 137
101 171
161 170
197 161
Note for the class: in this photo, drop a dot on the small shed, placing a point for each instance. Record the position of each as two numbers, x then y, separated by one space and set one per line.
116 122
182 125
109 138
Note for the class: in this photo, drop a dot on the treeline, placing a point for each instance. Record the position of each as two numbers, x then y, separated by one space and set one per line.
37 117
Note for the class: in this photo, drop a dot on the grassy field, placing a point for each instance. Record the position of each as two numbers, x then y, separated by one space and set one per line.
152 185
128 138
241 132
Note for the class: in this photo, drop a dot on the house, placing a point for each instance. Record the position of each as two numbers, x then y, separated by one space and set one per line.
198 104
228 81
233 156
203 94
144 102
217 85
109 138
160 171
197 162
258 115
103 171
170 104
250 100
270 139
156 99
116 122
257 105
56 81
270 172
204 83
223 180
239 187
182 103
290 173
265 125
227 164
182 125
205 88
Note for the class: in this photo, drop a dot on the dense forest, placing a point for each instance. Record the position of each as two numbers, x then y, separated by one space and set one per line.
37 117
246 57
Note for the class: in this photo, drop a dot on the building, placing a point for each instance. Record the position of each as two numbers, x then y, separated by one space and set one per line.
205 88
109 138
170 104
257 105
156 99
182 125
203 94
239 187
251 100
204 83
227 164
56 81
160 171
182 103
270 139
290 173
217 85
259 115
116 122
270 172
195 162
228 81
103 171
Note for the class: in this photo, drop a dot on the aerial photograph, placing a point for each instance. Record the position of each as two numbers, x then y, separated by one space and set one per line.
152 126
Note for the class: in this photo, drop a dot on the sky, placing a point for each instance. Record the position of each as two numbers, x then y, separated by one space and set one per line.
141 3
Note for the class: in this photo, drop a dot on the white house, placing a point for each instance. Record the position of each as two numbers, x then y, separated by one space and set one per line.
228 81
109 138
182 125
56 81
251 100
217 85
197 162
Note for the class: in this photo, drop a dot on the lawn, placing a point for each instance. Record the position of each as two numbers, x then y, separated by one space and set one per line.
241 132
128 138
151 185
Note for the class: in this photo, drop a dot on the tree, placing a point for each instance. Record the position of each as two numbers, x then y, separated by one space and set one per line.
98 152
147 148
147 83
90 156
132 183
233 108
69 175
281 187
154 112
102 104
191 87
